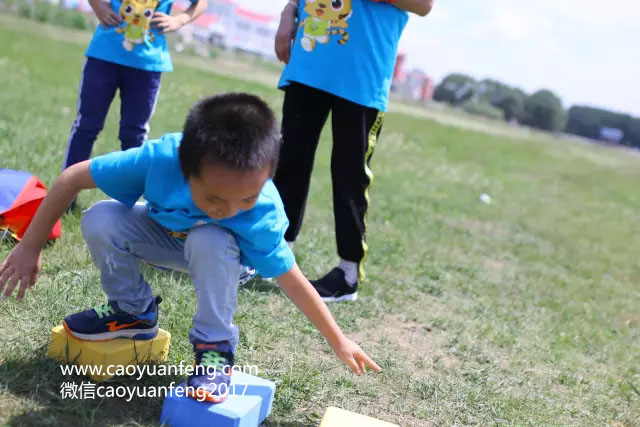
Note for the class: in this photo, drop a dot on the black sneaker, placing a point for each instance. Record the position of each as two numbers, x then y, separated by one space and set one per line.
334 287
211 377
107 322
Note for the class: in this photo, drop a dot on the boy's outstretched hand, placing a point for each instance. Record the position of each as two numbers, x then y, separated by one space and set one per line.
21 266
306 298
353 356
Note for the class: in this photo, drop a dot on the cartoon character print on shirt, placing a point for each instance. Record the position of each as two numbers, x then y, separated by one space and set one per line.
326 17
137 16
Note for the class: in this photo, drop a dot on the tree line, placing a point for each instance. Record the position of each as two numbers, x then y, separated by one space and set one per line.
541 110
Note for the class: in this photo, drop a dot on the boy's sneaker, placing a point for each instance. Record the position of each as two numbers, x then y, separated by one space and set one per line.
247 275
334 287
107 322
212 374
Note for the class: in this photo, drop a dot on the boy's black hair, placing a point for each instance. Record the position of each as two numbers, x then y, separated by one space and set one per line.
236 130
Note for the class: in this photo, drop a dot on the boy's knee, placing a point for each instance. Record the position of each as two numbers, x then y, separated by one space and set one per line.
101 219
211 240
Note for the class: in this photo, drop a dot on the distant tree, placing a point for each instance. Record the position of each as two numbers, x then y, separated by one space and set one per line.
632 134
585 121
482 107
455 89
508 99
543 110
589 122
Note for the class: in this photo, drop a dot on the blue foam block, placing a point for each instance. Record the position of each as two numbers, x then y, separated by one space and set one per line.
250 385
249 403
183 411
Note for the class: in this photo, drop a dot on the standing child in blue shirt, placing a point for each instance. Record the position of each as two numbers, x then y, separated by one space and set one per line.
210 208
128 53
340 62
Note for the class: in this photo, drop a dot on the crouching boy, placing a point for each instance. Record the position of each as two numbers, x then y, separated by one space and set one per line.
211 211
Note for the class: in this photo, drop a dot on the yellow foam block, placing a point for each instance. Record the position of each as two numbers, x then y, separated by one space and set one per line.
336 417
118 352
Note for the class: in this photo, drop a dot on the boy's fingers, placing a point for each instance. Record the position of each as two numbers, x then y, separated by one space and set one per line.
12 284
158 22
24 283
370 363
283 49
6 275
353 365
361 366
286 51
279 52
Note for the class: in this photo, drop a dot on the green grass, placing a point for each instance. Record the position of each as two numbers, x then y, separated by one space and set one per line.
521 312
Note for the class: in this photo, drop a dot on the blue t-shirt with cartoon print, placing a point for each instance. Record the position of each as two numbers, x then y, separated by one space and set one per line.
347 48
134 42
153 171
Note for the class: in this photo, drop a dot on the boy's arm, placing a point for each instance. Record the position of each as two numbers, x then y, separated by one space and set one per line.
286 31
104 13
167 23
23 263
419 7
305 297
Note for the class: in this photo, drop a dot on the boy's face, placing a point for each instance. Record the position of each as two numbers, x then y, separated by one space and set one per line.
221 192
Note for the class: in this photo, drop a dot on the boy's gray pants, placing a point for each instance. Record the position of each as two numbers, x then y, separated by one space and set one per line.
119 238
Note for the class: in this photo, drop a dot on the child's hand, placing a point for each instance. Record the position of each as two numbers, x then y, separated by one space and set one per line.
106 15
167 23
353 356
22 265
286 33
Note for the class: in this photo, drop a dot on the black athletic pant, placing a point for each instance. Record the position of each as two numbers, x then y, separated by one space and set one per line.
355 130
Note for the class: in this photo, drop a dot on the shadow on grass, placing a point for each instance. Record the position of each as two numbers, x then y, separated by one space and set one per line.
262 285
39 380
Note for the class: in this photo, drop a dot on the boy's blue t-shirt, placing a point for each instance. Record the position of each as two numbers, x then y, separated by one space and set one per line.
153 171
347 48
134 42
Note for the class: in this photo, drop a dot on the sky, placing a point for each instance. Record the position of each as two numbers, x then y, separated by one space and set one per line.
586 51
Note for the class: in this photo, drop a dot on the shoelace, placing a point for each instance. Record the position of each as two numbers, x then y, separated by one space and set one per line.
104 310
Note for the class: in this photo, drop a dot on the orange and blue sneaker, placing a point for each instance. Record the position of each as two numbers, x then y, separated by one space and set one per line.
108 321
211 377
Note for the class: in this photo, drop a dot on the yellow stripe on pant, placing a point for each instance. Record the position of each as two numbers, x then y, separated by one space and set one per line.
371 145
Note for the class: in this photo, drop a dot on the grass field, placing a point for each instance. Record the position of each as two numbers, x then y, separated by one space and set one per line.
525 311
